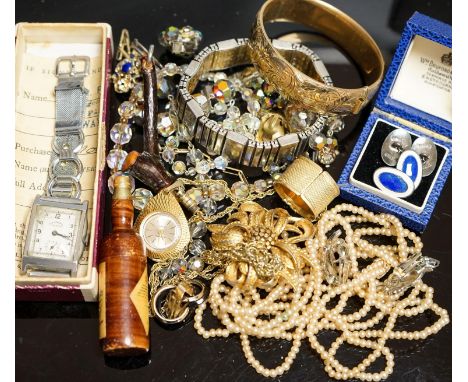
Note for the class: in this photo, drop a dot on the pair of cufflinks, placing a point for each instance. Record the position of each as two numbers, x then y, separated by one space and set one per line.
413 161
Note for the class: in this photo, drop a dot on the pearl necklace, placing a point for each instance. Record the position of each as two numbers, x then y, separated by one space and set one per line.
311 308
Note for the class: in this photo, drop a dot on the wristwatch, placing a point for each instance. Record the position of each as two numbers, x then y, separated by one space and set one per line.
163 226
57 229
238 148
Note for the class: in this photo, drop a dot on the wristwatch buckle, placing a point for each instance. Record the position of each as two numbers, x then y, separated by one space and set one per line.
72 66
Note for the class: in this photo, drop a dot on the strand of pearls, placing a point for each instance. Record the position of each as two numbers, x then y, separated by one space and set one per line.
305 312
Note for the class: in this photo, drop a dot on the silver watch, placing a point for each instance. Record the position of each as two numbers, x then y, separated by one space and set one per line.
238 148
57 231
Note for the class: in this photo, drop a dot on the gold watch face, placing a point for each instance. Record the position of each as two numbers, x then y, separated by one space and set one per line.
160 231
54 232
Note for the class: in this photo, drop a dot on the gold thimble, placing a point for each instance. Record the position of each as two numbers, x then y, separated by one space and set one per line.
306 188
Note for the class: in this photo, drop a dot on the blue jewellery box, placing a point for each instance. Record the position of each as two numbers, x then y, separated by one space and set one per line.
412 115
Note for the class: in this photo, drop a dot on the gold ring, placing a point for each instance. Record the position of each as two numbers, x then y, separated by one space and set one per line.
306 188
296 86
155 307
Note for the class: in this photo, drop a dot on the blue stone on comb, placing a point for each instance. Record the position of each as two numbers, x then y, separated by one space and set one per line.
393 182
410 163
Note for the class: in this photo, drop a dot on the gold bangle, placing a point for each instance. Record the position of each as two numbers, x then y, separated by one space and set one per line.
295 85
306 188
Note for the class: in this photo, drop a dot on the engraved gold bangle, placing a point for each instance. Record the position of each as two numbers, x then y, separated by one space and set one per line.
306 188
295 85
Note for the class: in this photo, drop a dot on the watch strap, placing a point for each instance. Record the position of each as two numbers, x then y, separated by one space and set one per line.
70 100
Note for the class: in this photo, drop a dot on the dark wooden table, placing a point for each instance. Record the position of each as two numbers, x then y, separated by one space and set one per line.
59 341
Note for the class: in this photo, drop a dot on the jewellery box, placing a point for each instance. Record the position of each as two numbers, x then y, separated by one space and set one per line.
38 45
416 96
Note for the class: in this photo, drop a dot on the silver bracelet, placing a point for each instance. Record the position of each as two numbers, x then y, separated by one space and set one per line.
239 149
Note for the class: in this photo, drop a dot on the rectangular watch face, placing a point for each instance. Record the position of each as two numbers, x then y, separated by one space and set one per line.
54 233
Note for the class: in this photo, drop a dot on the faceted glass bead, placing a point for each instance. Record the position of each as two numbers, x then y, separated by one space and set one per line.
191 171
216 192
236 84
126 109
240 190
220 108
166 125
197 247
170 69
202 177
194 155
259 93
261 185
121 133
250 122
218 76
196 264
168 155
253 106
267 102
299 120
110 181
247 94
186 32
326 155
233 112
195 194
208 206
317 141
172 32
274 168
268 89
229 124
202 167
198 229
335 124
165 273
222 90
115 158
179 167
220 163
166 86
172 142
180 266
141 196
137 92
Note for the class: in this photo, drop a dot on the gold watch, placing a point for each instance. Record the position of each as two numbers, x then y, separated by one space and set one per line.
163 226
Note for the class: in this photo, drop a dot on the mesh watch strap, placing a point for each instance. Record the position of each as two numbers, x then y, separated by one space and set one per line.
70 103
